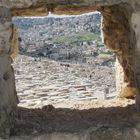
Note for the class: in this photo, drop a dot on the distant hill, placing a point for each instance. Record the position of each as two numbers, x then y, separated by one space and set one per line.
70 38
27 22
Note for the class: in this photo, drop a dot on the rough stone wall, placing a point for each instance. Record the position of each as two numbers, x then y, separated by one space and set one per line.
117 18
95 134
119 76
117 34
8 96
135 20
14 44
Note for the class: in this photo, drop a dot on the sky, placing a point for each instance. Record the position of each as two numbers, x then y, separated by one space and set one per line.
62 16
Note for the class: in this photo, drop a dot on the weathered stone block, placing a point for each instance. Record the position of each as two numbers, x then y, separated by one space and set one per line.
5 29
8 94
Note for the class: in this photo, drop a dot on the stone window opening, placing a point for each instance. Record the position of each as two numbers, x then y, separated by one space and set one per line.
69 46
120 26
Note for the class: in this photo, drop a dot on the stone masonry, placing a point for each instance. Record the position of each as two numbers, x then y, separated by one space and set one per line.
121 31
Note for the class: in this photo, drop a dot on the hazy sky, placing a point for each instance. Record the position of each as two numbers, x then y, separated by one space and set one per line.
62 16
